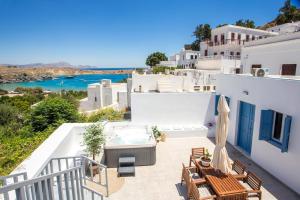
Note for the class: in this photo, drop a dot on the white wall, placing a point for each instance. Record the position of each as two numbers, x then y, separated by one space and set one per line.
149 81
172 108
281 95
272 55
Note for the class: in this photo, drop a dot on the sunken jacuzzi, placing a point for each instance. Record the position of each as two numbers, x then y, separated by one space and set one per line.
125 139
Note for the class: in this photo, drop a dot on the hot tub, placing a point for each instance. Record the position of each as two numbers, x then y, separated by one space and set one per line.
129 140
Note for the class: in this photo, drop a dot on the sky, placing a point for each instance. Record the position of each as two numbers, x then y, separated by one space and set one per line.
113 33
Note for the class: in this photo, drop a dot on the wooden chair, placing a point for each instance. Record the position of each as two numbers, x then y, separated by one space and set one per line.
239 170
204 192
188 174
253 184
196 153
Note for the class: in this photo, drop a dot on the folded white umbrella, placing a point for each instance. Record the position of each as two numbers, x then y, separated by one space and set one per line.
220 157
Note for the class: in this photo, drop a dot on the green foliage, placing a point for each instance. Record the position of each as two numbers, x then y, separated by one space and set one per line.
93 139
202 32
14 150
106 114
156 132
288 13
140 70
196 45
51 111
154 58
245 23
7 114
18 138
161 69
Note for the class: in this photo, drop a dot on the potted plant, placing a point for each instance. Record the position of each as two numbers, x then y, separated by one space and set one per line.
205 160
93 139
156 133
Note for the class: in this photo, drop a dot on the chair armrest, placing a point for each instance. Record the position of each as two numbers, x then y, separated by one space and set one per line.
253 191
192 169
199 181
239 177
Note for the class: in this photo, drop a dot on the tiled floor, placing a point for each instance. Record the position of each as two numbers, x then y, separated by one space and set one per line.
162 180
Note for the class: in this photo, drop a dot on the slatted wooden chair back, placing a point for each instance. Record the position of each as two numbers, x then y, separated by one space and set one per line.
253 181
186 177
238 167
198 152
194 191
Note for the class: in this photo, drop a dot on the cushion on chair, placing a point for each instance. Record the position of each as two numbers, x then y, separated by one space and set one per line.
194 175
245 185
205 190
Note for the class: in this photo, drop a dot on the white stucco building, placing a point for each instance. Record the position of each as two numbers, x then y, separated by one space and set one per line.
105 94
264 122
227 40
280 54
185 59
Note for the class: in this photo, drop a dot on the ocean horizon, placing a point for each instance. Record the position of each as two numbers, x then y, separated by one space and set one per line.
79 82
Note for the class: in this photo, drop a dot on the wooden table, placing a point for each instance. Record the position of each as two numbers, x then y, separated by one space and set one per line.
226 186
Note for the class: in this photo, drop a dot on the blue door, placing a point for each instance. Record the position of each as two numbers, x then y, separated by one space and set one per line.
245 127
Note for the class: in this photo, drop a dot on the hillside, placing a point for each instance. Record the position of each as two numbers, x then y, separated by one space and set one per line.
22 74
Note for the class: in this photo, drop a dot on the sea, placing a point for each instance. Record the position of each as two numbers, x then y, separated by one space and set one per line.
79 82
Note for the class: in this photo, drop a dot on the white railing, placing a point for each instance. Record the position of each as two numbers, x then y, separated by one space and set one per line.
219 57
67 184
90 168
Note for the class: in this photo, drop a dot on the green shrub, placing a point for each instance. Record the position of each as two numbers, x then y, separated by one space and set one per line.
106 114
51 111
93 139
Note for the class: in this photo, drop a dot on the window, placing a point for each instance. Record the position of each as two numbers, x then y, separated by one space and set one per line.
215 53
216 39
195 56
260 37
205 53
238 53
95 99
222 39
217 97
288 69
275 128
247 38
239 38
253 37
222 53
232 36
231 53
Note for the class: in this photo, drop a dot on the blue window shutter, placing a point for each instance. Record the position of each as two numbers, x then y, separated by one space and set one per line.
216 104
286 134
266 125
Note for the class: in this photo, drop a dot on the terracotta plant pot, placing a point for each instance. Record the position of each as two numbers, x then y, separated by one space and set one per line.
163 137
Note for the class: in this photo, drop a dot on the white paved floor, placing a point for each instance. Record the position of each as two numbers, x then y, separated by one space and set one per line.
162 180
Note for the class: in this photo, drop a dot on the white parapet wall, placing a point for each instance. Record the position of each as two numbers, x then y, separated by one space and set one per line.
182 108
280 95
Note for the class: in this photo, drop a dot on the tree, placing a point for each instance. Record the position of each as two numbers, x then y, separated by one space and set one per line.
93 139
202 32
155 58
196 45
52 111
245 23
288 13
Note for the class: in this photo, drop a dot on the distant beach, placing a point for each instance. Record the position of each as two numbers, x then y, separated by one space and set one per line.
79 82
